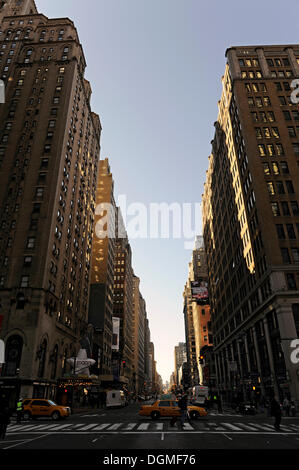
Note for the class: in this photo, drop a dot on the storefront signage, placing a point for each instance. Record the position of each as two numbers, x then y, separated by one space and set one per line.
2 352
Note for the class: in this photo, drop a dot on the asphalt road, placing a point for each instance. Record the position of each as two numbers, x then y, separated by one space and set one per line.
120 430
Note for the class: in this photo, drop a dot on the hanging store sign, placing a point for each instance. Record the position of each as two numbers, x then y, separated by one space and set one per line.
116 332
199 291
2 352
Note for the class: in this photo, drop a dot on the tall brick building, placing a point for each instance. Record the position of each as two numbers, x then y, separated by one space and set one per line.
102 267
49 153
251 224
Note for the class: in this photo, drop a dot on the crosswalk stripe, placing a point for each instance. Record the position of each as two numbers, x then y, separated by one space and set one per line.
114 427
264 427
188 427
294 426
129 426
143 426
89 426
101 427
246 427
151 426
59 427
159 426
27 428
231 426
286 428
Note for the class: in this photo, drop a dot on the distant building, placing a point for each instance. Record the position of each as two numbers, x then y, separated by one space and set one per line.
180 356
139 324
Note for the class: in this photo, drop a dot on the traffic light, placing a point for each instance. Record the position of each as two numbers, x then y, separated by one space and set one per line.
201 358
253 388
124 364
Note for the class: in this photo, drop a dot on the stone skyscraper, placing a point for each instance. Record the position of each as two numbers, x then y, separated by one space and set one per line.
49 154
251 223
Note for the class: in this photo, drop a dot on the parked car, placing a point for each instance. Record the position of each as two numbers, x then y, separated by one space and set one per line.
169 408
36 407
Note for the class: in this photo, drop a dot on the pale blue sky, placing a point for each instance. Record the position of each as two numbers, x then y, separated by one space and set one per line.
155 68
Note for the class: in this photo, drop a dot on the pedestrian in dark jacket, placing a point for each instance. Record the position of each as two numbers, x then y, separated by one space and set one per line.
276 412
183 406
4 420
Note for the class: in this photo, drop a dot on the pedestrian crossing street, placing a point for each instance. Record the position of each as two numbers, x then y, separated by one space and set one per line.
149 426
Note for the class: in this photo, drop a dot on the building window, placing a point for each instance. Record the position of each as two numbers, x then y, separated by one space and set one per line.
285 255
13 354
39 192
275 209
271 189
291 231
291 282
42 359
280 231
295 254
24 281
27 261
31 242
290 187
295 208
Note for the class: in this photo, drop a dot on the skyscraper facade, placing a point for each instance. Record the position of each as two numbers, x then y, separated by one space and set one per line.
102 268
139 336
49 153
251 224
123 359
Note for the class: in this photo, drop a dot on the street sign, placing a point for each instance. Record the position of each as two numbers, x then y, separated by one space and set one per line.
2 352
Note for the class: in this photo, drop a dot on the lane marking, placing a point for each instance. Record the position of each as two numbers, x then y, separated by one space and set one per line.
26 441
227 437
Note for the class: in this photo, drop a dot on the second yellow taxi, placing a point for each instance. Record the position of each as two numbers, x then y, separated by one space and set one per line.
170 408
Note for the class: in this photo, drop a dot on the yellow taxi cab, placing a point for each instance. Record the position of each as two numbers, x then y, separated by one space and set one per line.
36 407
170 408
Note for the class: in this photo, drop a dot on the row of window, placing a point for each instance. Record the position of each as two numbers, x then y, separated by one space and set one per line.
270 150
285 208
259 102
275 168
280 187
290 255
267 133
287 229
276 62
263 116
